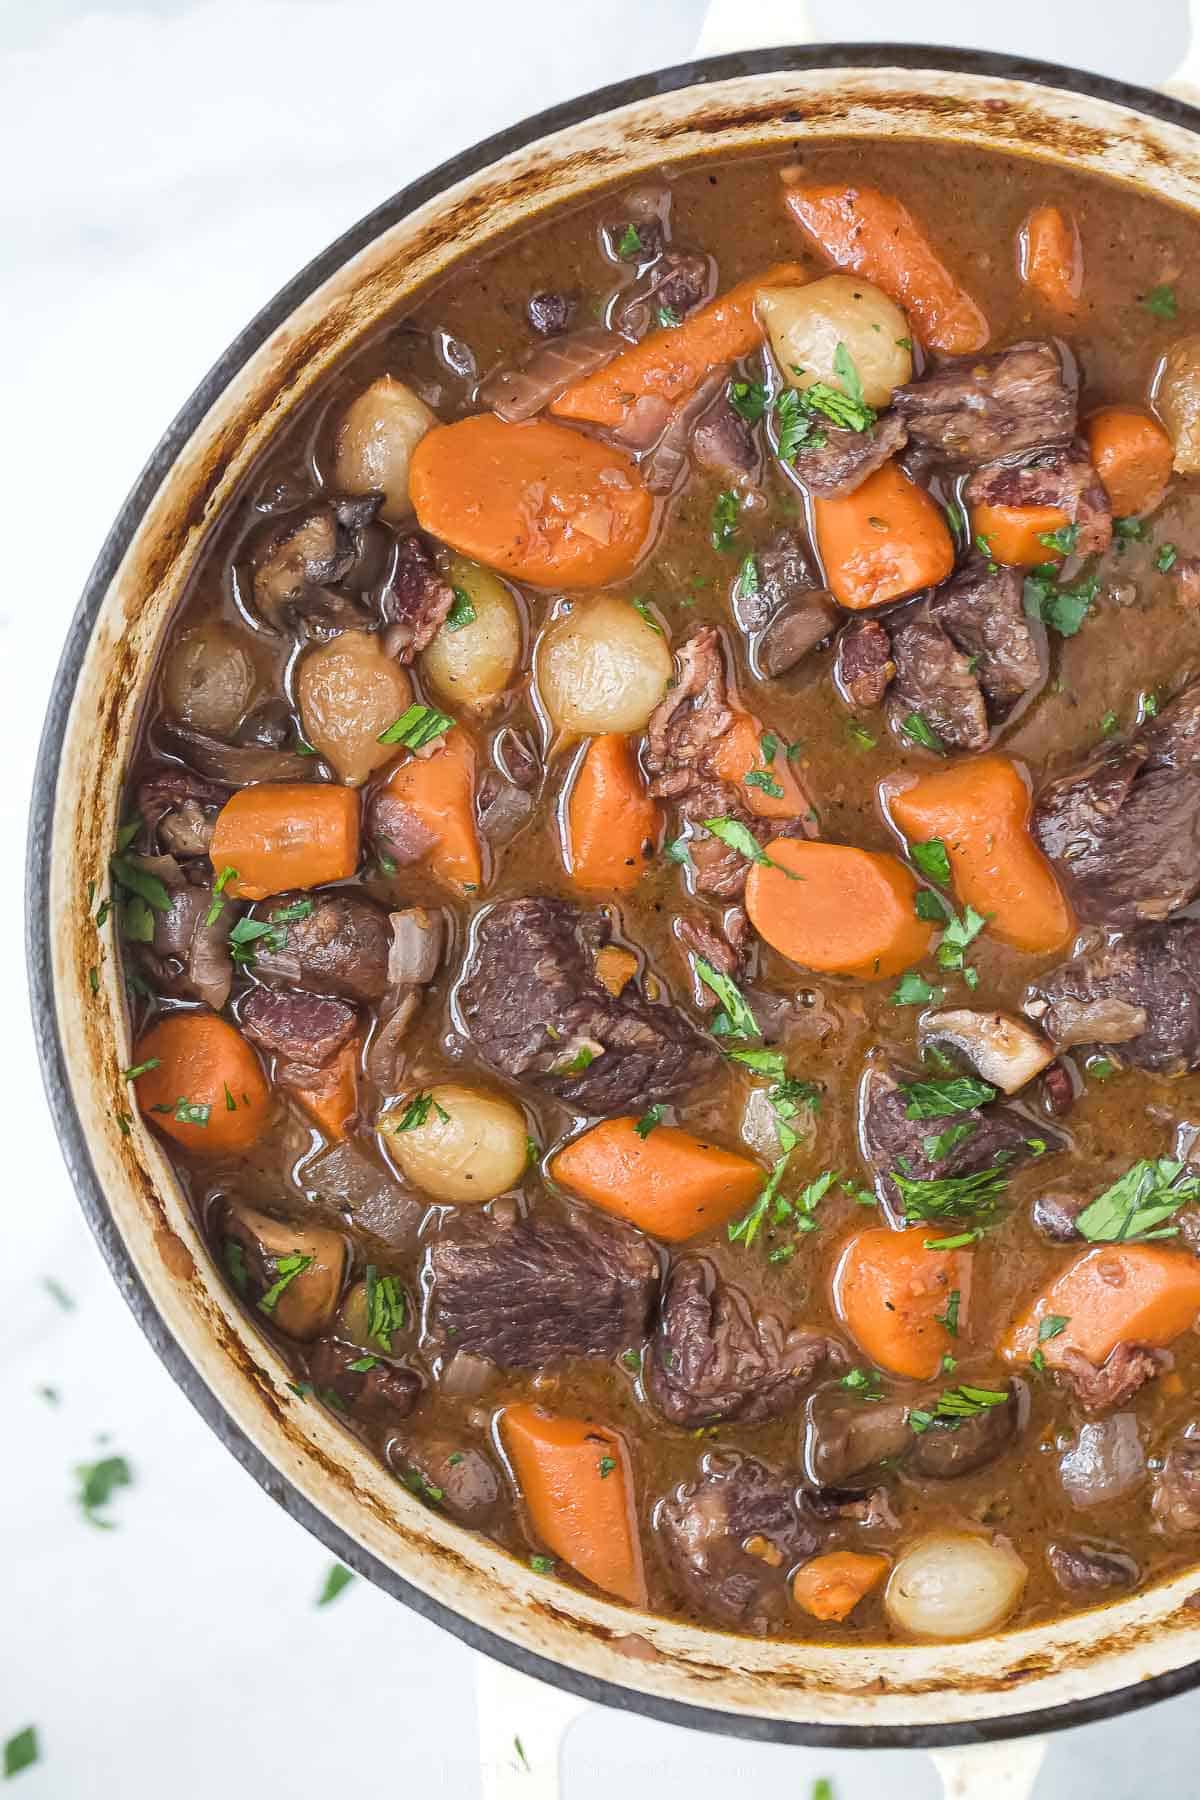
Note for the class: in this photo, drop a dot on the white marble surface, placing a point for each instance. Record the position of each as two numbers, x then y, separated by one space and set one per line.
167 166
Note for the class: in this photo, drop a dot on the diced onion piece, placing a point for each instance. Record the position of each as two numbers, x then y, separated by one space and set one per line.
954 1585
602 668
805 325
209 679
349 692
376 437
472 660
1002 1049
468 1146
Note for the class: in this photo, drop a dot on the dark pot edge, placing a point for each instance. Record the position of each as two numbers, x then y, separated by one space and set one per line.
39 924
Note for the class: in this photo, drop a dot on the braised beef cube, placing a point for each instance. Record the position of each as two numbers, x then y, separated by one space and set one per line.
1087 1569
1175 1502
367 1385
1137 995
843 462
1123 829
714 1357
973 409
303 1031
934 678
536 1012
945 1451
417 599
540 1289
982 610
335 943
1063 478
1126 1368
797 629
731 1538
865 665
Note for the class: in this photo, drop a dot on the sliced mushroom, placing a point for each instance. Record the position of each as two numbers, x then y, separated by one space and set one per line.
1000 1048
294 1272
235 764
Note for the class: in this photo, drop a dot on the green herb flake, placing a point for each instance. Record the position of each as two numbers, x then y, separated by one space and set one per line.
913 990
960 1241
1109 725
746 1229
58 1293
629 244
1140 1204
955 518
645 615
1052 1326
724 522
335 1583
1161 302
676 851
749 398
542 1565
739 1020
142 1068
1064 539
233 1255
747 577
959 934
632 1360
953 1196
417 726
949 1319
462 612
387 1307
933 907
285 1268
248 933
667 317
606 1465
915 726
414 1114
766 784
940 1146
21 1751
1166 558
129 875
865 1383
860 737
98 1482
1063 609
1100 1068
931 860
939 1097
646 1124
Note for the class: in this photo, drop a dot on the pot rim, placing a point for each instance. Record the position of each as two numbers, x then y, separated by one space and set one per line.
39 925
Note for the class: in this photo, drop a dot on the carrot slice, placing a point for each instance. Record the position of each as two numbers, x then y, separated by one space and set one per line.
885 540
577 1484
768 788
207 1089
831 1586
286 834
873 234
439 789
980 810
1132 454
892 1293
542 503
836 908
668 364
1114 1294
1013 534
331 1113
668 1183
613 826
1050 259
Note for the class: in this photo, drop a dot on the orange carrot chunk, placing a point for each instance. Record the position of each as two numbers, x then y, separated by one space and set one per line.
1013 534
838 909
613 826
576 1482
980 810
873 235
286 834
883 541
1114 1294
831 1586
206 1089
332 1110
439 790
1132 454
668 364
892 1293
1050 259
768 788
537 501
669 1183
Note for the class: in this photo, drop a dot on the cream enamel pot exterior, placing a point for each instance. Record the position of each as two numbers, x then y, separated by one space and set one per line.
1124 1655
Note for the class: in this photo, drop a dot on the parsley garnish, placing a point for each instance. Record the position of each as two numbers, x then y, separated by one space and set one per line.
387 1307
233 1255
646 1124
1139 1204
936 1098
130 876
606 1465
643 611
287 915
98 1482
1166 558
1063 609
759 778
248 932
724 522
749 398
931 859
415 1113
949 1319
959 934
953 1196
286 1269
21 1751
1064 539
1161 302
1051 1326
940 1146
735 1018
956 1404
1109 725
955 518
142 1068
218 888
629 243
860 737
739 837
462 612
667 317
335 1581
913 990
541 1565
866 1383
417 726
747 578
916 726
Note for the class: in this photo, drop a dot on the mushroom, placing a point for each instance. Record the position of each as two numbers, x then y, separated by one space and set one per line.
1000 1048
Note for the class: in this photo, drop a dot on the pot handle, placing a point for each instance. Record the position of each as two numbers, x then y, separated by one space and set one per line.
522 1724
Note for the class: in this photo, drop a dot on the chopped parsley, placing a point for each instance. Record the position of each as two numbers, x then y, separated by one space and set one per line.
1063 609
747 578
724 522
949 1319
1166 559
866 1383
767 784
233 1255
749 398
936 1098
1064 539
58 1293
940 1146
932 861
955 1404
632 1360
913 990
583 1059
959 934
794 425
1126 531
417 726
133 879
142 1068
607 1465
250 932
860 737
186 1112
98 1482
21 1751
953 1196
735 1018
955 518
629 244
1052 1326
677 851
541 1565
1110 725
286 1268
218 888
646 1124
647 617
387 1307
667 317
415 1113
337 1579
917 727
1139 1205
462 612
1161 302
746 1229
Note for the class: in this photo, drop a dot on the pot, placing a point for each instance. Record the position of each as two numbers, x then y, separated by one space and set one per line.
1121 1656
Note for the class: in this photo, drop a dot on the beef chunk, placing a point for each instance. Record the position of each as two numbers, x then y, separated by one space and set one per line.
891 1140
1084 1569
340 946
973 409
865 665
844 1435
1127 1368
944 1452
725 950
416 601
181 808
1175 1502
785 574
843 462
388 1390
1058 1089
1123 829
530 1000
1105 1463
869 1507
934 678
787 614
1138 995
723 442
731 1538
1064 478
797 628
457 1478
540 1289
549 313
982 610
304 1032
678 280
715 1358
